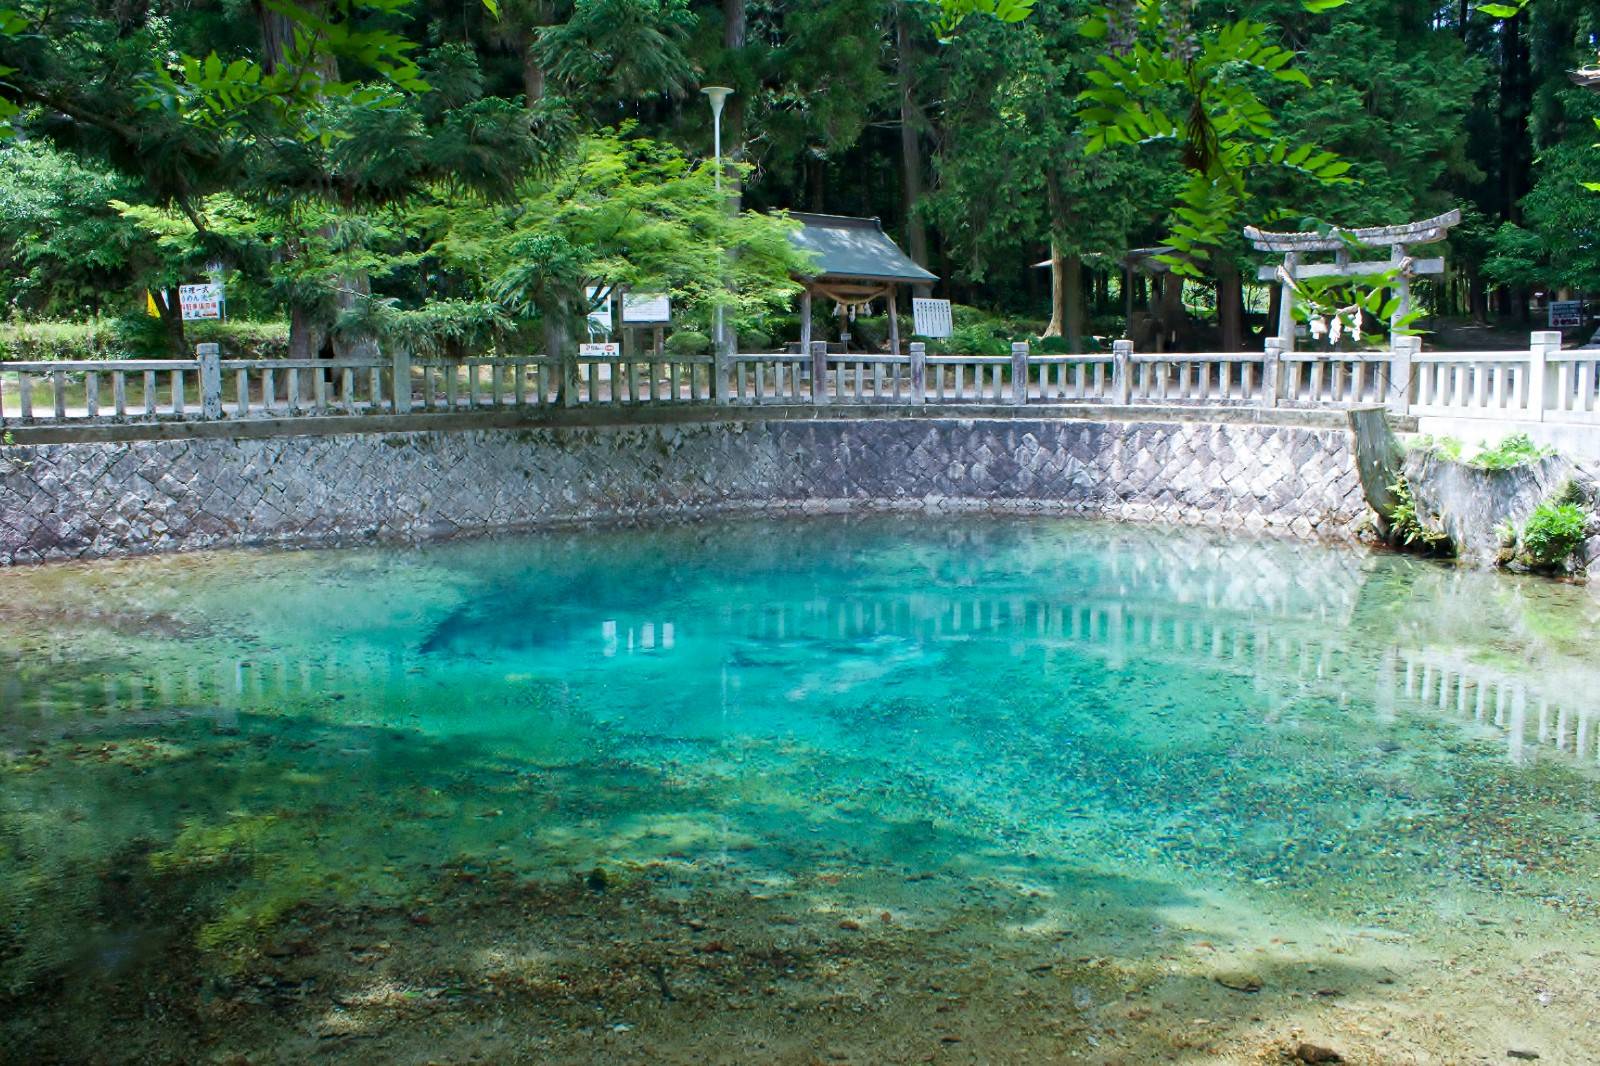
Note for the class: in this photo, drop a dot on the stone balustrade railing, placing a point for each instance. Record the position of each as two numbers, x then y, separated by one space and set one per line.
1538 385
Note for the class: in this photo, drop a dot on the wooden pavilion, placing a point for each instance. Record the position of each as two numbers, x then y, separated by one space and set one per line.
856 263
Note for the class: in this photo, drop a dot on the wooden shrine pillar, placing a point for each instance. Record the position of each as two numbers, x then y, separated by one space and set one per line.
805 320
894 323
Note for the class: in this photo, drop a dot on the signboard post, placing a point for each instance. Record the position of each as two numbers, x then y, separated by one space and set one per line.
1566 313
200 301
930 318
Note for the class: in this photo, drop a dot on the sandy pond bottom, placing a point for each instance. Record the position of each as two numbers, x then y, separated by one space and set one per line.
877 791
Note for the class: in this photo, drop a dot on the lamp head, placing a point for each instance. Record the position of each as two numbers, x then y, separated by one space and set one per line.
719 95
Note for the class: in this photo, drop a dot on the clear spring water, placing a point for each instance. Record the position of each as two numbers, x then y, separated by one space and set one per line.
785 792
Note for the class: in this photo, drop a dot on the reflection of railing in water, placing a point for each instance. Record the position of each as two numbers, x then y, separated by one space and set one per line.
1525 712
1285 656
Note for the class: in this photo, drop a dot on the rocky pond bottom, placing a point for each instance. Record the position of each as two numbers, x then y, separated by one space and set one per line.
822 791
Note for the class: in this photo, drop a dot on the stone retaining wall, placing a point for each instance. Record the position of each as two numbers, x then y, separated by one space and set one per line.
63 501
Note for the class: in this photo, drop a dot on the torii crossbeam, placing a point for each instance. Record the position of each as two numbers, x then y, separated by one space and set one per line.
1398 239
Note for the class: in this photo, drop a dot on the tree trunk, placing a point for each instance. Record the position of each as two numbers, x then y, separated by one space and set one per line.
305 336
1058 292
532 69
1066 297
1230 304
1516 105
557 327
171 312
733 40
353 290
910 145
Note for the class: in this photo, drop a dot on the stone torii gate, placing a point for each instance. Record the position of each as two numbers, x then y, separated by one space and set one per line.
1398 239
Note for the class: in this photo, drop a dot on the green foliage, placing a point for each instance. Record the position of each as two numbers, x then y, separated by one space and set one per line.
1445 447
1552 533
1194 89
1411 528
1516 450
1562 218
627 211
754 339
976 340
1570 492
1516 256
952 13
135 336
63 248
621 49
688 342
1336 307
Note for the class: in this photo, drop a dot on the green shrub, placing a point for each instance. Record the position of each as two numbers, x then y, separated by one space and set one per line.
688 342
977 340
754 340
1552 533
870 331
136 336
1052 346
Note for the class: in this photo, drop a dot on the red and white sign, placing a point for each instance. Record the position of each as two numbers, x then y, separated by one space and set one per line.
607 350
200 301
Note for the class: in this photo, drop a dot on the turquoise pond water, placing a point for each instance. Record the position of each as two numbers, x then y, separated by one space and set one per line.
1151 757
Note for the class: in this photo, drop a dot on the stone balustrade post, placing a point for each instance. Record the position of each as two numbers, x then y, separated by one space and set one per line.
1019 373
1271 371
1402 361
1541 388
919 372
210 358
1121 372
400 388
819 372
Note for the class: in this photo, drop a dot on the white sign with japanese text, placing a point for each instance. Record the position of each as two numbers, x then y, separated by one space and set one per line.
645 309
930 318
200 301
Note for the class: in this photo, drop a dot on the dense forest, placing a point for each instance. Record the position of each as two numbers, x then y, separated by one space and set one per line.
457 176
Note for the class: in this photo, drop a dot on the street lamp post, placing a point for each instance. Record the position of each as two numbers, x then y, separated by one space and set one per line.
718 94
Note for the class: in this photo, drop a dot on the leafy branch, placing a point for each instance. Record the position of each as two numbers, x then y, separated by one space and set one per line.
1163 81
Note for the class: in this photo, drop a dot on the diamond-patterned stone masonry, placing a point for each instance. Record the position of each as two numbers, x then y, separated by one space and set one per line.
64 501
